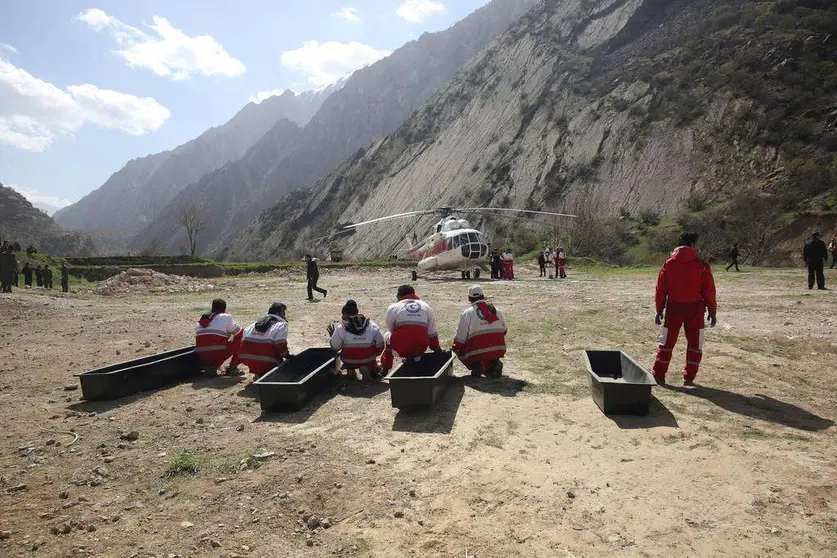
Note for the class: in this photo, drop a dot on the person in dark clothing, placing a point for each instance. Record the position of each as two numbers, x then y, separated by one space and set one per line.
65 278
47 277
733 257
39 276
27 275
815 255
8 269
313 275
542 263
494 260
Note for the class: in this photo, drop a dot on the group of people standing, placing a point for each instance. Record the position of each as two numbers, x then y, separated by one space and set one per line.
10 271
556 257
480 340
502 264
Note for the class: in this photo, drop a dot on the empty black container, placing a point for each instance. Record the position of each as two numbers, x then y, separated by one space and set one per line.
291 384
418 384
142 374
619 385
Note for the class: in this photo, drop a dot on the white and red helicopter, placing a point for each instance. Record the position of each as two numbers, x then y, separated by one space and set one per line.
453 245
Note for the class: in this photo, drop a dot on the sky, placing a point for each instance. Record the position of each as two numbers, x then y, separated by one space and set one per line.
85 86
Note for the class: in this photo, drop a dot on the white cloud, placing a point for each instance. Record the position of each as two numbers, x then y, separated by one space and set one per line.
168 51
8 48
34 112
325 63
348 13
39 199
416 11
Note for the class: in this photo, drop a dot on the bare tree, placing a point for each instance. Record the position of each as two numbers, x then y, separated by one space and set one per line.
192 218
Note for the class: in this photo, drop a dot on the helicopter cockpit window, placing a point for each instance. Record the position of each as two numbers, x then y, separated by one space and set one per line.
455 241
473 238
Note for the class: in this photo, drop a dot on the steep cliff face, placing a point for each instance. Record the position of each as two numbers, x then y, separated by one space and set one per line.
598 107
373 102
134 196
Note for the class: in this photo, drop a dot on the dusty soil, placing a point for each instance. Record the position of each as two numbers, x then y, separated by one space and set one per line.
745 464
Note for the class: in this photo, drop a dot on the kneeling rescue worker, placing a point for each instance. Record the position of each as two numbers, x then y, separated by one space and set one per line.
412 328
265 343
685 289
217 338
480 340
359 342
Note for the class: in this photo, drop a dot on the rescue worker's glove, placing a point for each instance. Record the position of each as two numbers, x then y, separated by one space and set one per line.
659 318
713 321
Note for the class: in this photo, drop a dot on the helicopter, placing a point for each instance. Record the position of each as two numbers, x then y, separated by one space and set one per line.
454 245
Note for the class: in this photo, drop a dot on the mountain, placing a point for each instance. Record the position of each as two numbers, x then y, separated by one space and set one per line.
374 101
134 196
722 114
21 222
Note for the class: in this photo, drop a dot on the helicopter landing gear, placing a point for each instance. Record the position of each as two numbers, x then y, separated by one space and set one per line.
466 275
414 275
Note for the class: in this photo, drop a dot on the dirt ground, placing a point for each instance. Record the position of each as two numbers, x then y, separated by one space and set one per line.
743 465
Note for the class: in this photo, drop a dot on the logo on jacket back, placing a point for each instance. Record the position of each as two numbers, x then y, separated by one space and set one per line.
413 307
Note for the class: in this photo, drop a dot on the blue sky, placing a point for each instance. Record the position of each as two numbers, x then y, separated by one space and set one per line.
87 86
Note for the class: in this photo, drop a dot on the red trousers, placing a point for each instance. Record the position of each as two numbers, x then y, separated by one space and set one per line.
216 358
668 339
508 269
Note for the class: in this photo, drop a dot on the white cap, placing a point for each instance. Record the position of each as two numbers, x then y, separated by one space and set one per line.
475 291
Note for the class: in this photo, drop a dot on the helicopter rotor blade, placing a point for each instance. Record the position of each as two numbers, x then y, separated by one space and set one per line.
510 210
350 226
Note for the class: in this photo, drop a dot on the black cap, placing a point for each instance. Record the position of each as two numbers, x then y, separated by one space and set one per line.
350 308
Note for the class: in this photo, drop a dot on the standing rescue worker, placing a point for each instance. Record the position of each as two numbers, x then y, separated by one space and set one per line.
312 273
560 263
47 277
39 276
412 328
65 278
815 254
733 257
685 289
217 338
542 263
508 265
27 275
265 343
833 249
480 340
8 268
495 264
359 341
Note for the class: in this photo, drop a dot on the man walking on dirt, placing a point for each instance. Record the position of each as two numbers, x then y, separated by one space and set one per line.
733 257
542 263
815 254
312 273
685 289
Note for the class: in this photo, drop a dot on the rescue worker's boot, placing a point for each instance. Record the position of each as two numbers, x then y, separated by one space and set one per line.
233 370
476 370
495 369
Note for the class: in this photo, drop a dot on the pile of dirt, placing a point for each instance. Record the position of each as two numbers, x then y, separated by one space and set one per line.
139 281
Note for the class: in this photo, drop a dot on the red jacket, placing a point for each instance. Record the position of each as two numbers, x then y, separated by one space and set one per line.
685 285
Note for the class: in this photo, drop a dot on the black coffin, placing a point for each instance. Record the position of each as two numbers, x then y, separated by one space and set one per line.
619 385
142 374
418 384
291 384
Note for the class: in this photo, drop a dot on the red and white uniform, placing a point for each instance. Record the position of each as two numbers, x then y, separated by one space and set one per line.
262 351
412 329
481 335
217 337
359 342
685 289
560 259
508 265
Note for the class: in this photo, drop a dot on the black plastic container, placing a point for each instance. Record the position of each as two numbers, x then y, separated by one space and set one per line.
618 384
142 374
420 384
291 384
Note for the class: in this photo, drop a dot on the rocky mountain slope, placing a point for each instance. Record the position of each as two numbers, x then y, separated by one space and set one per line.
134 196
373 103
21 222
721 112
